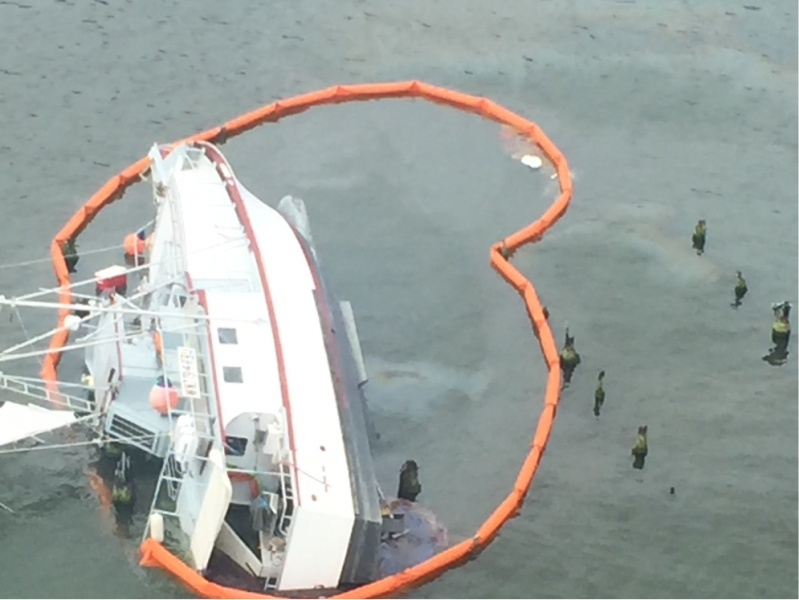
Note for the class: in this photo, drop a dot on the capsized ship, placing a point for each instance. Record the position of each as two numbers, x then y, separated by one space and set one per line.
271 411
218 348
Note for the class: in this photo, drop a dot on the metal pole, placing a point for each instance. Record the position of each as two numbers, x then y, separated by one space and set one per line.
95 309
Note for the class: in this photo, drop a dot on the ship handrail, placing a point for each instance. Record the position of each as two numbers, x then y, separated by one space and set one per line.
25 387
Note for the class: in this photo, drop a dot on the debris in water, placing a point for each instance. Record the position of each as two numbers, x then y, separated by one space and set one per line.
532 161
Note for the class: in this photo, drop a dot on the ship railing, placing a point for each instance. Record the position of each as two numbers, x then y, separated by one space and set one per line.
171 479
178 243
35 388
205 421
287 491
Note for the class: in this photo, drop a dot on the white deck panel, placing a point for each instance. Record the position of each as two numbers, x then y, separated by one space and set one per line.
324 474
214 241
254 353
18 421
223 286
316 550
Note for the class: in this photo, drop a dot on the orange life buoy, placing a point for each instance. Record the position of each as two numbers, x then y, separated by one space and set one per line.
133 244
164 399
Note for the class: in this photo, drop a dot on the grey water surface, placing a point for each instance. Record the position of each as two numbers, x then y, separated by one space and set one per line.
668 112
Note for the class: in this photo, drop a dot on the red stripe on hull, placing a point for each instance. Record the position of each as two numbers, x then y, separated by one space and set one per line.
241 211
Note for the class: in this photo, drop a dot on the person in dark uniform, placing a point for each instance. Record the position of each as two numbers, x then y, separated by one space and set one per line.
740 289
569 359
780 334
409 486
641 448
87 380
122 494
700 232
599 394
71 258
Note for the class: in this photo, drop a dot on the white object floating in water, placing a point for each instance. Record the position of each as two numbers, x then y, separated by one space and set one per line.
532 161
18 422
157 527
72 322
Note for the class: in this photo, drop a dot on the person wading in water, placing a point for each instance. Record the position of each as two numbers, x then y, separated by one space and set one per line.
700 232
569 359
599 394
740 290
71 258
409 486
641 448
780 334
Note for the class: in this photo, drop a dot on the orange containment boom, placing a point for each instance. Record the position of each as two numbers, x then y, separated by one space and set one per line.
155 554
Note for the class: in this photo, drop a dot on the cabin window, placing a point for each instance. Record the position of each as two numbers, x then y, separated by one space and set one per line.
235 446
227 335
232 374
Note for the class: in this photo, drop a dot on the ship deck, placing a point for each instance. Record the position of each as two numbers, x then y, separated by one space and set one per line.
130 414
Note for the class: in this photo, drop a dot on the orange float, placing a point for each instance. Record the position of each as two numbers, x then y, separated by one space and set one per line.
164 399
133 244
155 554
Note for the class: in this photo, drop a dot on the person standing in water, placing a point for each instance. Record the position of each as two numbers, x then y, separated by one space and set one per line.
740 289
700 231
780 334
409 486
641 448
70 252
599 394
569 359
122 495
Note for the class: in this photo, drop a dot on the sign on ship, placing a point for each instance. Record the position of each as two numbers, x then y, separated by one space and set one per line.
189 376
